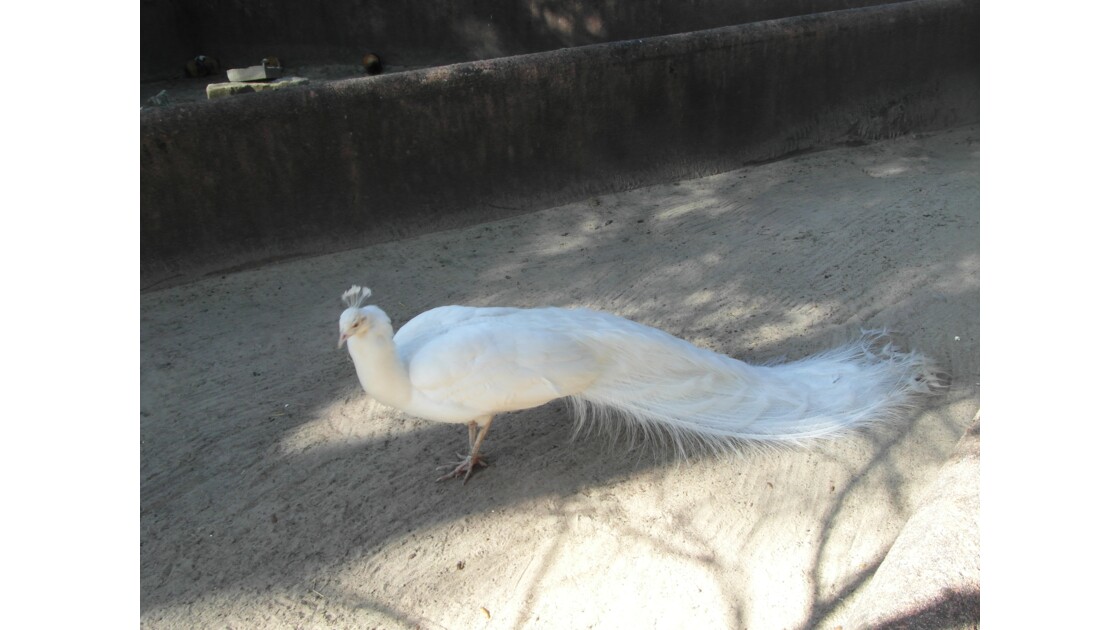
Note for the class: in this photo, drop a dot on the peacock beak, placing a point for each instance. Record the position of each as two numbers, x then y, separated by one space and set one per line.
342 337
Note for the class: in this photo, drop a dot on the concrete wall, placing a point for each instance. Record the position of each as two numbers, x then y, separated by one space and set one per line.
309 169
241 32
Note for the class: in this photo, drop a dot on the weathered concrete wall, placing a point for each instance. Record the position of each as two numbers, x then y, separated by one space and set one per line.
296 171
240 32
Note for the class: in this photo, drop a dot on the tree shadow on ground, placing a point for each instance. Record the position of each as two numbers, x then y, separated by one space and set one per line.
246 490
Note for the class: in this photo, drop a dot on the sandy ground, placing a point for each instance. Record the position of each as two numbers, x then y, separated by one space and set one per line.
275 494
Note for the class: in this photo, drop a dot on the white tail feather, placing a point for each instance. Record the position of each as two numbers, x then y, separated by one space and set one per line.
693 398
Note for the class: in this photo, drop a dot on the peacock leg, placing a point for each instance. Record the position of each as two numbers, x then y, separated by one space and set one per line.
476 432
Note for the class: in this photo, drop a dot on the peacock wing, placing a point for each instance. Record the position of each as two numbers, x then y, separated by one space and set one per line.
496 365
440 320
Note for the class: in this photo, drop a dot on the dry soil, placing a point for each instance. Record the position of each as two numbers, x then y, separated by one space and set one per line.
274 493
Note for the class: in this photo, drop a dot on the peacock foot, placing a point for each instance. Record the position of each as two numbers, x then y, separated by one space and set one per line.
465 468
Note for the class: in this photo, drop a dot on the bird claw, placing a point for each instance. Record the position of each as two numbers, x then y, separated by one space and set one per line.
464 468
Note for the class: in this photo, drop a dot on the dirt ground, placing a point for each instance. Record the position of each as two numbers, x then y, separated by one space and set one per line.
274 493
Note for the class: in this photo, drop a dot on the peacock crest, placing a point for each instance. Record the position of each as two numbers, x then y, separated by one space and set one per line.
355 295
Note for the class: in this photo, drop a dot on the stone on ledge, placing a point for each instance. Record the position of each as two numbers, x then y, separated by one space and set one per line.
217 90
254 73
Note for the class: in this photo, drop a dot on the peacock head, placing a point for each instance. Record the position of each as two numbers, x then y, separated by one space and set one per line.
358 320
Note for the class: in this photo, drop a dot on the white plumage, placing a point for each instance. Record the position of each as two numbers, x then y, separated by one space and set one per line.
465 365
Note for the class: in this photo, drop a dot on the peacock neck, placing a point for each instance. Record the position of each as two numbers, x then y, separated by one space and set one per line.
381 371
